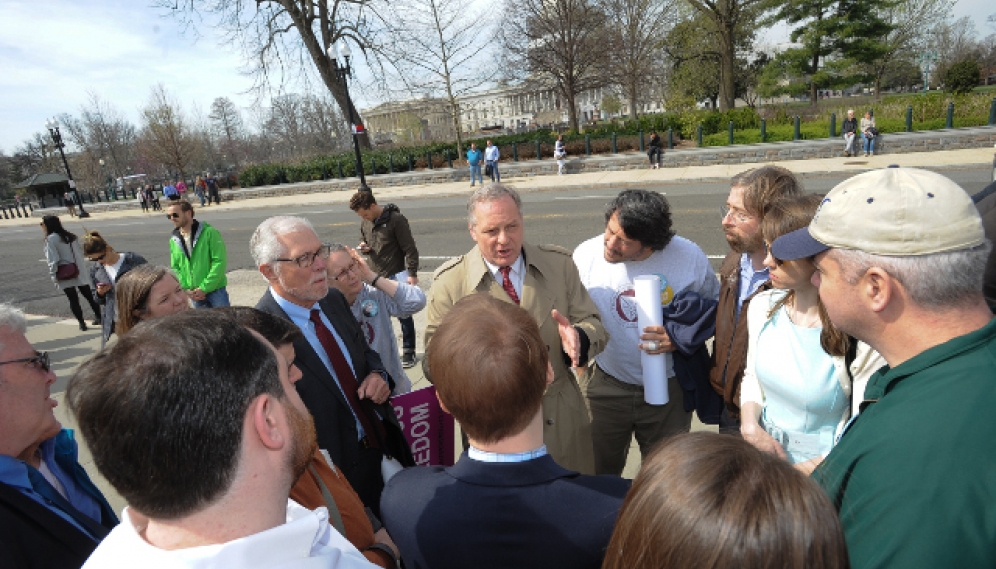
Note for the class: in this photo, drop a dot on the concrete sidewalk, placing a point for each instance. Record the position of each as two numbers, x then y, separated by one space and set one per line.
939 160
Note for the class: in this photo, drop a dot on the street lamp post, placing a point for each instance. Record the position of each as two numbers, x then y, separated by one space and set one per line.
342 71
926 59
53 128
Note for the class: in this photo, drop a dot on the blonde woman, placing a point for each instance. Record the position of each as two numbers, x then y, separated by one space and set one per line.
147 292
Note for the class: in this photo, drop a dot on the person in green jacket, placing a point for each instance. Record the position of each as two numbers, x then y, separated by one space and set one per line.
197 255
900 255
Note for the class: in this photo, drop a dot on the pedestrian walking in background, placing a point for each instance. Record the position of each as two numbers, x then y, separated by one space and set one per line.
70 204
474 158
387 238
213 194
560 153
65 258
170 192
491 157
200 189
181 188
107 267
655 151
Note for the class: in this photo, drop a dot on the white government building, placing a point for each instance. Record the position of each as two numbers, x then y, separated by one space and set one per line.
501 110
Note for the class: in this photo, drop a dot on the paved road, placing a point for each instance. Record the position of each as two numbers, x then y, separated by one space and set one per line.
562 217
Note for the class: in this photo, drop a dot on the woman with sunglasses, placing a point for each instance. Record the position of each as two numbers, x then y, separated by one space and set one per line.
62 249
147 292
797 387
108 266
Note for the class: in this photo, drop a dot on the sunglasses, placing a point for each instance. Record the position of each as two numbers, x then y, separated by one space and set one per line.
41 360
97 259
172 216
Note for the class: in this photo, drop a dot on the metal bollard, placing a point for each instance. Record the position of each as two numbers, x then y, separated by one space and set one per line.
411 163
730 133
614 149
449 159
795 133
339 164
587 144
642 148
325 172
428 160
950 122
992 112
670 139
390 163
909 118
698 135
764 130
539 154
515 152
833 125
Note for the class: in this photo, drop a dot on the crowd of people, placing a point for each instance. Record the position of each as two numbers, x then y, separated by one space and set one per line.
851 360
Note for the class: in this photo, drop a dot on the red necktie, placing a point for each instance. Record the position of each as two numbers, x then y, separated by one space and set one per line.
506 283
347 380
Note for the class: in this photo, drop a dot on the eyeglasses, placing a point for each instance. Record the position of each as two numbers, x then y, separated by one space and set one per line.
40 360
172 216
342 274
737 216
308 259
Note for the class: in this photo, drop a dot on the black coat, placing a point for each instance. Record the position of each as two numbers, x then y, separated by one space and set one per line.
500 515
32 536
334 422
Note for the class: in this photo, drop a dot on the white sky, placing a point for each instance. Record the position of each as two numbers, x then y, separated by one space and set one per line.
53 52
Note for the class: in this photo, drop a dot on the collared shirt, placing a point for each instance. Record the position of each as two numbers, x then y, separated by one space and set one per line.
484 456
517 275
14 473
491 153
750 280
305 540
302 317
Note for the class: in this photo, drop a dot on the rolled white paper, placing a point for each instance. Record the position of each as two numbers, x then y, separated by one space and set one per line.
648 313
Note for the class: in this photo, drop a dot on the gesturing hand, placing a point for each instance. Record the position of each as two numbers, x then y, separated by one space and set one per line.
569 338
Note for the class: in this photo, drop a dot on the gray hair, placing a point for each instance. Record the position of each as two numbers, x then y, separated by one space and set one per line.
12 319
266 246
935 281
490 193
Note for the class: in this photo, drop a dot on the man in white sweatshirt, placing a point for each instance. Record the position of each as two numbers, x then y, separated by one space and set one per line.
204 442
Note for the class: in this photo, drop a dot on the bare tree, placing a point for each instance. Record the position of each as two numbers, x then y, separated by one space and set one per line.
912 22
560 40
326 127
954 42
733 19
442 46
226 122
636 36
166 136
279 38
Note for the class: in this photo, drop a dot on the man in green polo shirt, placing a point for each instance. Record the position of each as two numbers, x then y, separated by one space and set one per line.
900 255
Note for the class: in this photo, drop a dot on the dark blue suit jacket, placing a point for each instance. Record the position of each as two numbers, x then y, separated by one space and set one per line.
481 515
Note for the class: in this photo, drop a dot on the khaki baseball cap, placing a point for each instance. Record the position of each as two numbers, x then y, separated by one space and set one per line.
900 212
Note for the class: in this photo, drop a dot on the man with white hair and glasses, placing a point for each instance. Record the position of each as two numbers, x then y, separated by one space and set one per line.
51 514
345 384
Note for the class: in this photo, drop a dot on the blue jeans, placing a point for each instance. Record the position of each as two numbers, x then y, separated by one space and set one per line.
407 322
214 299
869 143
495 176
475 170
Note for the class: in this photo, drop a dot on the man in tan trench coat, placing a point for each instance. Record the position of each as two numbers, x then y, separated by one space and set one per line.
544 281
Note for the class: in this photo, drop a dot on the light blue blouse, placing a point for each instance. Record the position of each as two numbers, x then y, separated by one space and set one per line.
803 400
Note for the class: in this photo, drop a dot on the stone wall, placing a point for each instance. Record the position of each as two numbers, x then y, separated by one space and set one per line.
894 143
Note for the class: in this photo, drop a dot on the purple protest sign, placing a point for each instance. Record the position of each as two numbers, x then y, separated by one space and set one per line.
427 427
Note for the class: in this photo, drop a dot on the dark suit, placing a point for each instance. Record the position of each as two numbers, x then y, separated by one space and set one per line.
32 535
477 514
334 422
